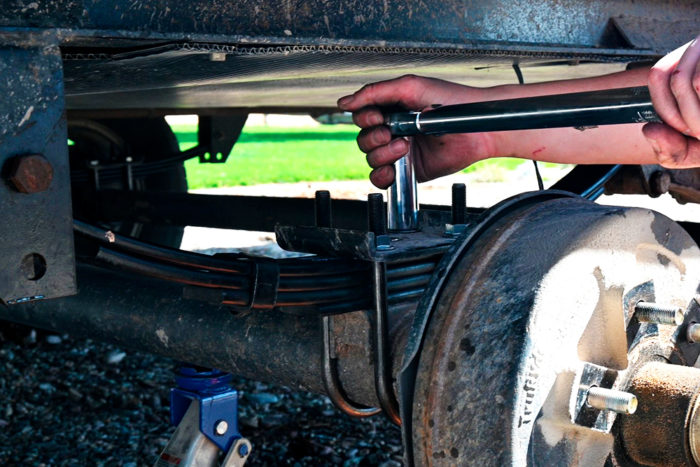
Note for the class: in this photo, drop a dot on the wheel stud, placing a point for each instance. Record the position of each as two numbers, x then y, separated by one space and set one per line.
658 314
611 399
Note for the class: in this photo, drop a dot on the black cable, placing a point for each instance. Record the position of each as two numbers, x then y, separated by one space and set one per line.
521 81
518 73
540 183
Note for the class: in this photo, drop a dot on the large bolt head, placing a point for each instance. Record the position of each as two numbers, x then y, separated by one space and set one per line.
30 173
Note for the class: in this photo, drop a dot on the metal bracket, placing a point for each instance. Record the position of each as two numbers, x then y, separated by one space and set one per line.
204 407
213 409
360 244
219 134
263 293
37 258
190 447
238 453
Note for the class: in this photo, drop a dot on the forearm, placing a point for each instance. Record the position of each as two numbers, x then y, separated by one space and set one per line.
623 79
605 144
611 144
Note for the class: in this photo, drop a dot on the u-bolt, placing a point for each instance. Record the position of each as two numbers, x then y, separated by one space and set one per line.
402 196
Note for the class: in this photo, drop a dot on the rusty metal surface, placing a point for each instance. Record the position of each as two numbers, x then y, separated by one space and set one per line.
654 180
36 252
560 22
484 369
176 54
657 434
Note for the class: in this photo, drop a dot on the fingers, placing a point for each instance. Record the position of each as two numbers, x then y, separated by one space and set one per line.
674 84
672 149
404 90
660 90
683 87
368 117
380 148
387 154
372 138
381 158
382 177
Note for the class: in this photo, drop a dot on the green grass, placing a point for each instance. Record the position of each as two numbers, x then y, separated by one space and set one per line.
280 155
286 155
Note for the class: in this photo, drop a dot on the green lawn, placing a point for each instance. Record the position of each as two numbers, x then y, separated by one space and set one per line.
284 155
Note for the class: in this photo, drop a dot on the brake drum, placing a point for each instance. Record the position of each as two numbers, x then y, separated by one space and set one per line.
540 309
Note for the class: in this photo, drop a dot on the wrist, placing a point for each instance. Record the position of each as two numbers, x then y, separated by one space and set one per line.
500 144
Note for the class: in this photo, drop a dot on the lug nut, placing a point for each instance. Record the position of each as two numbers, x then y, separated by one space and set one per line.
610 399
658 314
221 427
30 173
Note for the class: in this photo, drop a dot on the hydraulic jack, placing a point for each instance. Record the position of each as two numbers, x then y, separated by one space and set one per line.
204 407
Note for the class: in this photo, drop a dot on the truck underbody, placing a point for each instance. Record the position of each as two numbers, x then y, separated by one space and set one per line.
506 334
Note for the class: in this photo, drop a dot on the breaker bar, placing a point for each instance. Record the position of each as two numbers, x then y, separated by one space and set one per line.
579 110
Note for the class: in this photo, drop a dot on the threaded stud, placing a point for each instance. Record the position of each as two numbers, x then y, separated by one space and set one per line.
611 399
647 312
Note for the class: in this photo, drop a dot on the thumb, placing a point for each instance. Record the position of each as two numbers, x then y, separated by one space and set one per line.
672 148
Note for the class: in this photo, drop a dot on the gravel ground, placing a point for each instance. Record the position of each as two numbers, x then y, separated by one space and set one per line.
74 402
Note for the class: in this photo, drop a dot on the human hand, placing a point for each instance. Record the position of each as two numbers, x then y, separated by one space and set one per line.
434 156
674 84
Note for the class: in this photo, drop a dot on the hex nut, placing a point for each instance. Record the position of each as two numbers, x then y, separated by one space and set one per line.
659 183
30 173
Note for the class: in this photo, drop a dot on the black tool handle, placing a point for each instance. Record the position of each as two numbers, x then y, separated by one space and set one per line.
580 110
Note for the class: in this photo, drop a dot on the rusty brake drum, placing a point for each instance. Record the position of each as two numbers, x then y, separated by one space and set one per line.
538 312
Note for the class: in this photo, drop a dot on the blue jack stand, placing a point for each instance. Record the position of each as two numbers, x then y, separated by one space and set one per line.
204 407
